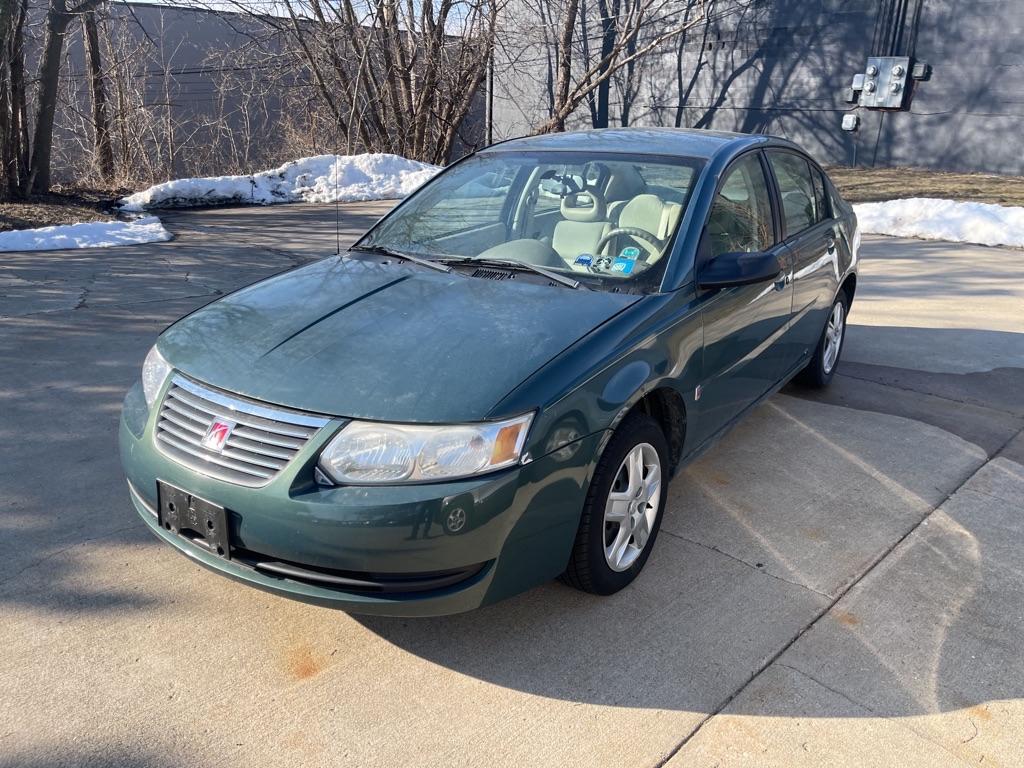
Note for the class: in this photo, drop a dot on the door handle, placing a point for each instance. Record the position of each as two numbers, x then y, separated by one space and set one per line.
830 241
782 281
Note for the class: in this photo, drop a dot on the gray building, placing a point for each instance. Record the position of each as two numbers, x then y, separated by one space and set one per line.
786 66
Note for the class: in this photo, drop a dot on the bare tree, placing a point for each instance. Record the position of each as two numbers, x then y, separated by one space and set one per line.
13 112
100 123
143 134
630 30
59 16
609 10
394 76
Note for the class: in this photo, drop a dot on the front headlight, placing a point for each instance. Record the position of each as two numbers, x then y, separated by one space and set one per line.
154 371
364 453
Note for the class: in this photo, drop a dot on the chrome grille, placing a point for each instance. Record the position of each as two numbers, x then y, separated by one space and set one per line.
261 444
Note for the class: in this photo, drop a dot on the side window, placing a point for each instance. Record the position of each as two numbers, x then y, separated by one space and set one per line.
833 199
741 217
796 191
820 195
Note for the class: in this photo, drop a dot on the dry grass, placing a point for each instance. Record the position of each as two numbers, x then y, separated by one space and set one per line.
57 208
864 185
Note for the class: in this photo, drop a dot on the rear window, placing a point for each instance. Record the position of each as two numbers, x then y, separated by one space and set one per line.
796 191
821 203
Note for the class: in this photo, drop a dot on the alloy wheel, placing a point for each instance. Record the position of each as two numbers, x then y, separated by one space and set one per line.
632 507
833 337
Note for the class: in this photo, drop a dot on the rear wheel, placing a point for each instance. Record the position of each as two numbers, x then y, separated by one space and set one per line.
622 513
822 367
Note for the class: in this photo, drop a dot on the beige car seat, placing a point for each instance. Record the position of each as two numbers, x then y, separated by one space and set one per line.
584 223
624 183
651 214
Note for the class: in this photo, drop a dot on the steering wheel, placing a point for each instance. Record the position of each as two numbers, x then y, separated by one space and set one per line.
643 234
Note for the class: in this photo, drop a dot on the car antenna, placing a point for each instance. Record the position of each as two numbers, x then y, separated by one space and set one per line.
337 205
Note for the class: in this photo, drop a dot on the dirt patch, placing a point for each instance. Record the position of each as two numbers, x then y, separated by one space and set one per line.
719 478
846 618
865 185
814 533
58 208
981 712
302 663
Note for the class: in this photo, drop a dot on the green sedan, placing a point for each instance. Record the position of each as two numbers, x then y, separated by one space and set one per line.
493 387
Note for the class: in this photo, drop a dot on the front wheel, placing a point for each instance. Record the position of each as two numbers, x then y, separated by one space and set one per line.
822 367
622 513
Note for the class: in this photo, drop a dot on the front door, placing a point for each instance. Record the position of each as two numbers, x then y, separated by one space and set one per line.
743 324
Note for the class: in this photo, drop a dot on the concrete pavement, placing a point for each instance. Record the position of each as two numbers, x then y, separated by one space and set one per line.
839 583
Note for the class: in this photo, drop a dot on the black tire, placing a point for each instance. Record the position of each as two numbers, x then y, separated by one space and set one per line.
588 569
818 374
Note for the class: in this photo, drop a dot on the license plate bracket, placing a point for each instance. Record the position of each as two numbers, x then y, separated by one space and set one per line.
193 518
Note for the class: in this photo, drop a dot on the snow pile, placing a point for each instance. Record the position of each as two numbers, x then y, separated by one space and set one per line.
935 219
321 179
92 234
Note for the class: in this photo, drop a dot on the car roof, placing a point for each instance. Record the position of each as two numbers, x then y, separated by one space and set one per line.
685 142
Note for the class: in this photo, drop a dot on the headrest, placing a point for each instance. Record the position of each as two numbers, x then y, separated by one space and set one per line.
587 205
647 212
624 183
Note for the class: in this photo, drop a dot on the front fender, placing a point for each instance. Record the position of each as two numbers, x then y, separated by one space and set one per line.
589 388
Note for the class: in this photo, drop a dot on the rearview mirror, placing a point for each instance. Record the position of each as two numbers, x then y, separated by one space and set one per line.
729 269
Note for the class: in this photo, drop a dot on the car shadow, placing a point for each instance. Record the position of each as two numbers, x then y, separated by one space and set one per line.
76 756
701 624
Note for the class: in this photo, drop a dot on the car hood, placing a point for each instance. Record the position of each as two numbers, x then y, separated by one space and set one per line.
386 341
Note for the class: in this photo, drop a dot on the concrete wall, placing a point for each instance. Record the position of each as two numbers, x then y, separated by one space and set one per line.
781 66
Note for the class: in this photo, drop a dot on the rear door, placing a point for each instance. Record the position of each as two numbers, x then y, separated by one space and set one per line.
810 232
742 324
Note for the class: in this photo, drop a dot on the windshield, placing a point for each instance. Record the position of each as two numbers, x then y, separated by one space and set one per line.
590 215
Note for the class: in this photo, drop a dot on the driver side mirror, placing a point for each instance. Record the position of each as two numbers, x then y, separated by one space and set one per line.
730 269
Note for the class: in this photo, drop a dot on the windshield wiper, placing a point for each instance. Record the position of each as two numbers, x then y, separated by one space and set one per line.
384 251
568 282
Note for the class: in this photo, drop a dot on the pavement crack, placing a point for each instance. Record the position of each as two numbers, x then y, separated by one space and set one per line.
753 566
899 722
992 496
57 552
830 689
120 305
187 277
296 259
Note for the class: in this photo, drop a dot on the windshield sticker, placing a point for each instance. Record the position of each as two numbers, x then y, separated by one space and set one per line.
585 259
630 253
625 266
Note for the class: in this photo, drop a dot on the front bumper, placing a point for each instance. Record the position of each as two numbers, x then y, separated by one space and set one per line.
517 527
